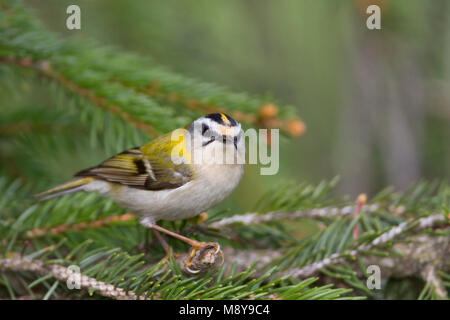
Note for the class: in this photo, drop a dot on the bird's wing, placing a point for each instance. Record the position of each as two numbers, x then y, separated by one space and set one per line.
148 167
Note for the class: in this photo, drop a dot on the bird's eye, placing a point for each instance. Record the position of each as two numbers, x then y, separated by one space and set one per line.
204 129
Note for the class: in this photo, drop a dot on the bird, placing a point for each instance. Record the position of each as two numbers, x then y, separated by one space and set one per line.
177 175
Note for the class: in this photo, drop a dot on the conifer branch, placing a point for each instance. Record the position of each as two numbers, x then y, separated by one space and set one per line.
432 279
44 69
265 118
139 93
221 289
409 261
395 232
319 213
244 219
38 232
122 98
20 263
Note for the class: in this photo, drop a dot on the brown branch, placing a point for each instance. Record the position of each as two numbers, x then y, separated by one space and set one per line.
19 127
80 226
20 263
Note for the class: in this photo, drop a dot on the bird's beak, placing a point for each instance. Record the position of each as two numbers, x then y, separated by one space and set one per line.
227 139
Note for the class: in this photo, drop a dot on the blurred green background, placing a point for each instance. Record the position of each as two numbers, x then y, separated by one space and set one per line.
376 102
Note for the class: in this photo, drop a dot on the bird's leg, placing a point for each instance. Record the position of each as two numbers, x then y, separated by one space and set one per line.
162 241
165 246
147 241
196 245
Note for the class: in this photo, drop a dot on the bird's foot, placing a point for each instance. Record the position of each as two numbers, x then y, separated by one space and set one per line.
202 256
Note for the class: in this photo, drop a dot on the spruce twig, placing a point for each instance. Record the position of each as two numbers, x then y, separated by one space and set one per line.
19 263
319 213
395 232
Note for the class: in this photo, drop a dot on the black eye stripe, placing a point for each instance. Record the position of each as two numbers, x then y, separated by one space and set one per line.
204 128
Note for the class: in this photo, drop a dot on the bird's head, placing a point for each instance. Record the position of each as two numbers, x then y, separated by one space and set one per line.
217 131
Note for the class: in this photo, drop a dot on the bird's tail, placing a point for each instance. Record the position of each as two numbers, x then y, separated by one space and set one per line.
69 187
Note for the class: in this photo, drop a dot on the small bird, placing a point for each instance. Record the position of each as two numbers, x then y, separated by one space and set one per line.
175 176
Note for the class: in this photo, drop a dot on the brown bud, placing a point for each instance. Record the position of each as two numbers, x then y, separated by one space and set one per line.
295 128
268 110
362 198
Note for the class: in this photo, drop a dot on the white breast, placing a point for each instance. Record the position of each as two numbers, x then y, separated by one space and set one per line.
211 184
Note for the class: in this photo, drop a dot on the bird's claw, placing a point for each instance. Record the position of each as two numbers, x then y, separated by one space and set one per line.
203 256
